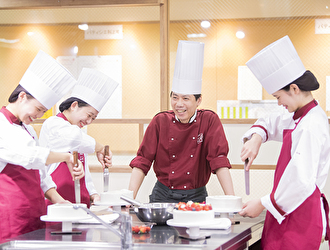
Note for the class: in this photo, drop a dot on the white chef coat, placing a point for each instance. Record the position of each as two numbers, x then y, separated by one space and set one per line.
60 135
19 146
310 157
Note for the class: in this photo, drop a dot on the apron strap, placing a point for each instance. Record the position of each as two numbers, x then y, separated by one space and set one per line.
326 208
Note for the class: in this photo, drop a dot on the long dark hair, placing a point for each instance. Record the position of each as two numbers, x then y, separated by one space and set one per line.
68 102
14 95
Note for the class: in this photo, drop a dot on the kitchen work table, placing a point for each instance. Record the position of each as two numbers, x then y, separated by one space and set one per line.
241 235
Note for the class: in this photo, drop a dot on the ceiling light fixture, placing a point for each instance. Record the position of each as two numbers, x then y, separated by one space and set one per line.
83 26
240 34
3 40
205 24
196 35
75 49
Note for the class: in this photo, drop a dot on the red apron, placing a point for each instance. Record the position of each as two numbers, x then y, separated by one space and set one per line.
21 200
301 229
63 179
65 186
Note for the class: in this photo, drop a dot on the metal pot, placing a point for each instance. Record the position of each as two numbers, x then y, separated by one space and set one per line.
157 213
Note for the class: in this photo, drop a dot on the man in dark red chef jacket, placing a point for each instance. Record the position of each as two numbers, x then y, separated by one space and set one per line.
184 144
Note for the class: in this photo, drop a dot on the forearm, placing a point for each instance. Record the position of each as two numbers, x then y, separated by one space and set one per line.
136 180
225 180
99 147
52 195
55 157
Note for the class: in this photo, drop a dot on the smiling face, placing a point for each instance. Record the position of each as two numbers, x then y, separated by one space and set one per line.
293 98
285 99
81 116
184 106
29 108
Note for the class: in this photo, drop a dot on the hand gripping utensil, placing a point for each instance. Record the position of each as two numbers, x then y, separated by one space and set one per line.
246 174
76 182
106 172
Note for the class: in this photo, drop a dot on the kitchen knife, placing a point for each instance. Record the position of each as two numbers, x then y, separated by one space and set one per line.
246 174
106 172
76 182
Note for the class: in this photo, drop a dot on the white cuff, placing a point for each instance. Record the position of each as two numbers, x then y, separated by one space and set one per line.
267 203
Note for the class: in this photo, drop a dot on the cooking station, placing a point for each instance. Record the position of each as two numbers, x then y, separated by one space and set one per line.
243 233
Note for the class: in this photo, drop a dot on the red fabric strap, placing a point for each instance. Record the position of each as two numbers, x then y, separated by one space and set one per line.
259 126
272 198
326 208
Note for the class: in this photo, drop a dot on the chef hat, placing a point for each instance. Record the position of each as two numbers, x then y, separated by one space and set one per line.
277 65
94 87
47 80
188 69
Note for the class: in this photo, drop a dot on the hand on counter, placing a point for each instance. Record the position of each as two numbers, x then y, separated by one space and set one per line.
94 198
252 208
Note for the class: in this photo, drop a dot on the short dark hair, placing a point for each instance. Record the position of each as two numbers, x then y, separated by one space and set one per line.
196 96
68 102
14 95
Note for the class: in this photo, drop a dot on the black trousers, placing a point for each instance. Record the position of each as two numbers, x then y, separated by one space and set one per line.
161 193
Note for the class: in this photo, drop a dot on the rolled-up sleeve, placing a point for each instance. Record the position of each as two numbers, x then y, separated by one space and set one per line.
217 145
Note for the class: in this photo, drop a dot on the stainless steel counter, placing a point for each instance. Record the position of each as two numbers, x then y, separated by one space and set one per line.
94 236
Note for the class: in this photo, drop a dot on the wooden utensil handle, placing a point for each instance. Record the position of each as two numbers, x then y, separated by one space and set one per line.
75 158
106 150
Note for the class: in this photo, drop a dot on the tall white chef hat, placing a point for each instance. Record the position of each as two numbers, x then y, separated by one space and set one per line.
47 80
188 69
94 87
277 65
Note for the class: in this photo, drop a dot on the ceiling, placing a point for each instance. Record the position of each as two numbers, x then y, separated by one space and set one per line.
179 10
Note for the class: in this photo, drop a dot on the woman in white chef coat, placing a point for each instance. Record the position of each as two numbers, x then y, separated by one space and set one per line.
63 132
23 178
297 212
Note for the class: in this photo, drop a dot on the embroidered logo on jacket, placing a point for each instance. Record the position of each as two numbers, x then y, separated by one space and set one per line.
200 138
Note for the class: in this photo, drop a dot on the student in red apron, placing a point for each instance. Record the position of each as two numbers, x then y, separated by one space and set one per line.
297 212
64 133
23 178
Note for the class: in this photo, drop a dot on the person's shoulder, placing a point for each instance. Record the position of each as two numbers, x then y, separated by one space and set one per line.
317 116
51 120
207 113
164 114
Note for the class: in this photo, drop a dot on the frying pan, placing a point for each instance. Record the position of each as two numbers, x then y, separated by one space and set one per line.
157 213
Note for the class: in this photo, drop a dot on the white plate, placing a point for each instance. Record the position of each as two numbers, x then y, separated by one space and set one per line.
218 223
59 219
226 211
100 203
108 218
